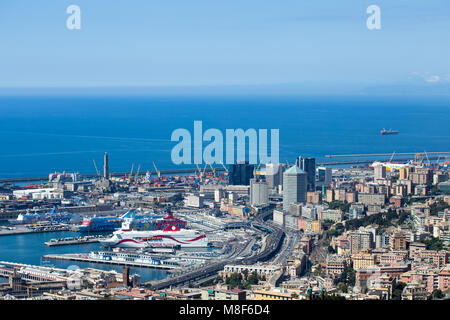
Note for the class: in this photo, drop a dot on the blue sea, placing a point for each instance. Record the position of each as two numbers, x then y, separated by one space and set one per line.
42 134
30 249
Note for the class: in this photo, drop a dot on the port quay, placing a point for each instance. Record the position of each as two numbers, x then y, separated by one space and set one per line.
191 170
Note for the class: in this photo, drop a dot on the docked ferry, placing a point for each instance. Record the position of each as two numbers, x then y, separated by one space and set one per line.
131 221
53 216
100 224
170 236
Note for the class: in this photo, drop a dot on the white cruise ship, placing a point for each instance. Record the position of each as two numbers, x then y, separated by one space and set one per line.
170 236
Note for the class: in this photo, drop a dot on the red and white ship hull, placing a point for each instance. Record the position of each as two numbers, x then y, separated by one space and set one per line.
171 236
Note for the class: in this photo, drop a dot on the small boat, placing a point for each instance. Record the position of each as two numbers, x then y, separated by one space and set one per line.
387 132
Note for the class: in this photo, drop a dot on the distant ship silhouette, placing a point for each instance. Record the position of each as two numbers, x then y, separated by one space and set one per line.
386 132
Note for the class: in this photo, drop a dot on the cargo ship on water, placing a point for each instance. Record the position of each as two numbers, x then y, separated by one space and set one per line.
170 236
385 132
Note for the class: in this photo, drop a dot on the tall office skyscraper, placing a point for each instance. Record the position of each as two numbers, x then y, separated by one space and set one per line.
259 193
241 173
294 186
324 176
309 166
274 175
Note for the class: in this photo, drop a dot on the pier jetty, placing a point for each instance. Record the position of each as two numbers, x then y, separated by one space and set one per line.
86 258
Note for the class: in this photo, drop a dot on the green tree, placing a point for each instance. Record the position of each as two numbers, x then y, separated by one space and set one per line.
327 297
351 274
434 244
398 289
342 287
336 204
438 206
381 219
348 276
253 278
437 294
337 230
234 280
318 270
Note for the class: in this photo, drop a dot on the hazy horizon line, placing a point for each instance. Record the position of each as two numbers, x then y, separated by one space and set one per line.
311 88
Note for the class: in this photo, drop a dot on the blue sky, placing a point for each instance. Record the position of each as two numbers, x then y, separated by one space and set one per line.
322 43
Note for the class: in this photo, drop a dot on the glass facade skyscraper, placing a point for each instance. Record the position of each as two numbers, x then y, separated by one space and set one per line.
294 186
241 173
309 166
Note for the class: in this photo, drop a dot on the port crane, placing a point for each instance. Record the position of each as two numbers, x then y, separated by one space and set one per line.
226 169
212 169
96 169
131 172
419 157
382 154
156 169
199 171
137 172
392 157
204 169
257 172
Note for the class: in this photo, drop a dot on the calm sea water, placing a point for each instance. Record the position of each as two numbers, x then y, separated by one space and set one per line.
42 134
